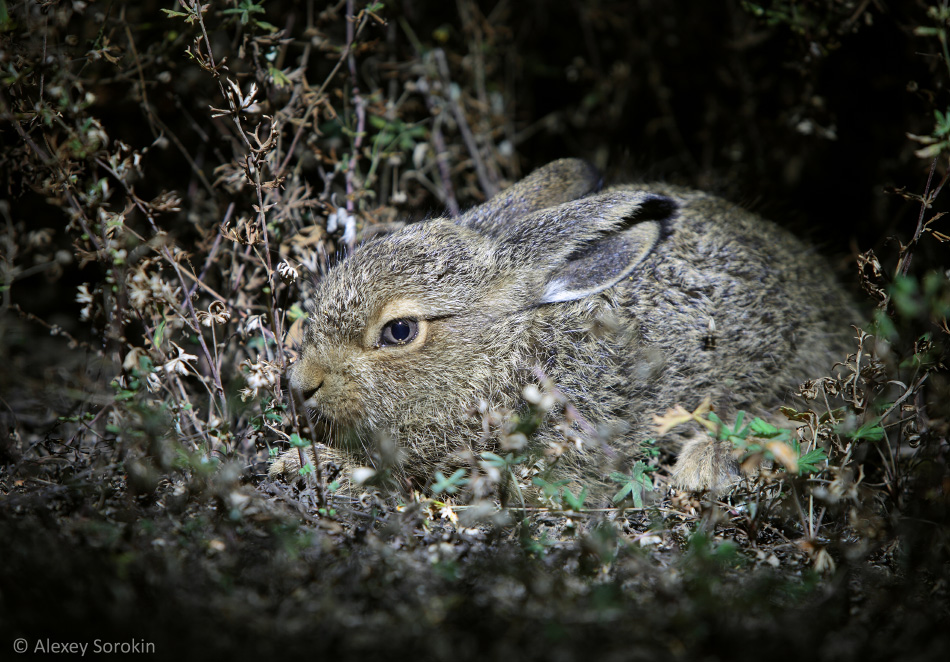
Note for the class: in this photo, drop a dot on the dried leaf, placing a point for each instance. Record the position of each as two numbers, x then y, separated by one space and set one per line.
678 415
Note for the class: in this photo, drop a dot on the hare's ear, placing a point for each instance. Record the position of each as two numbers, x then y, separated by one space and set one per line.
549 186
588 245
602 263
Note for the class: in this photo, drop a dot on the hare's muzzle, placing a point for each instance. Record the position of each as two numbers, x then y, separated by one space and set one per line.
306 379
307 394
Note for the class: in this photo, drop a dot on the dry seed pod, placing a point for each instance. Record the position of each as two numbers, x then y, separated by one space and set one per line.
629 300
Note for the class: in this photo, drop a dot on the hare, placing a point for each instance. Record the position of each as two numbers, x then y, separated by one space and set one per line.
629 299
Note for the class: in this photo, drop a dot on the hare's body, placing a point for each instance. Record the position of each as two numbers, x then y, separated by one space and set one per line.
629 300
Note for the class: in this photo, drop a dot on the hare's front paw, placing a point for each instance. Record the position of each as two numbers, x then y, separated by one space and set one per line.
706 464
287 464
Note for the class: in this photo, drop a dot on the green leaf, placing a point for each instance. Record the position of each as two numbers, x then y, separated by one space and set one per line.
883 326
870 431
808 463
122 395
575 502
297 441
279 77
552 490
763 429
932 150
159 332
634 484
244 9
502 462
296 312
740 416
451 484
943 123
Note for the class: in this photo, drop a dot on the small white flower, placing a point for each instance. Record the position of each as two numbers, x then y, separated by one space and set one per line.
287 273
532 394
179 364
449 514
491 472
341 217
139 291
217 314
254 323
349 230
362 474
514 442
84 296
153 383
263 374
419 155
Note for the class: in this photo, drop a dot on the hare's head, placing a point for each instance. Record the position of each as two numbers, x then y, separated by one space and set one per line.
413 328
389 324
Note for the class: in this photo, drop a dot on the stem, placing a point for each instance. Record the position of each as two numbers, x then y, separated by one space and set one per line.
904 265
360 111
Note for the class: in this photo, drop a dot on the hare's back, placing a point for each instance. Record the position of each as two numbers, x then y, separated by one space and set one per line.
736 302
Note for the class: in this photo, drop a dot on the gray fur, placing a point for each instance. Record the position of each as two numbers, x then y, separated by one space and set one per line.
631 300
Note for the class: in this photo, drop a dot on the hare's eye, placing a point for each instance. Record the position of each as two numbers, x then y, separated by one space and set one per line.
399 332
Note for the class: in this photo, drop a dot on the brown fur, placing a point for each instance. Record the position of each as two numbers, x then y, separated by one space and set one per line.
631 300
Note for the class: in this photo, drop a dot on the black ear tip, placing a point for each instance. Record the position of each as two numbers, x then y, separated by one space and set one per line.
658 207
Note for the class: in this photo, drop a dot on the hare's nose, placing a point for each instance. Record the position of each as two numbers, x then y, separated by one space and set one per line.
306 378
